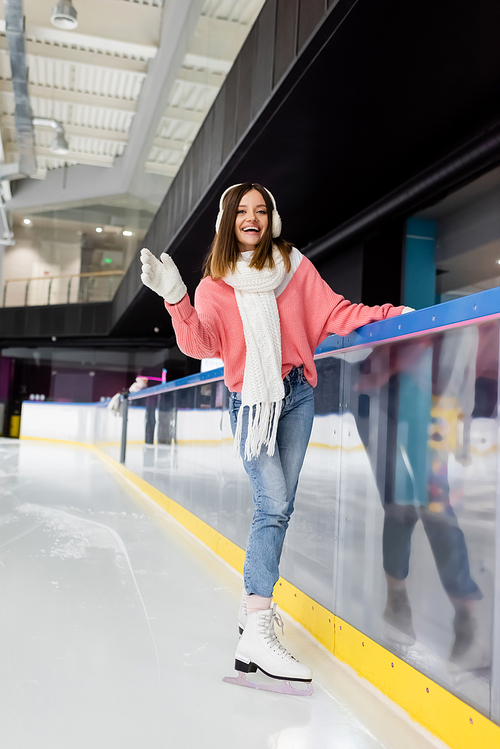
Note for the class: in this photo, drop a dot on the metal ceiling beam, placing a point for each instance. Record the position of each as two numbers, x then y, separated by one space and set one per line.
69 54
74 97
80 131
169 144
166 170
184 115
75 156
106 102
201 78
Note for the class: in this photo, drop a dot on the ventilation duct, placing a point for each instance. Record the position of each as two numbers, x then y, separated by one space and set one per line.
14 31
59 145
6 236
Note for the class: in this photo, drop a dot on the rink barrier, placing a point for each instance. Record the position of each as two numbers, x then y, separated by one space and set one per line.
434 708
443 714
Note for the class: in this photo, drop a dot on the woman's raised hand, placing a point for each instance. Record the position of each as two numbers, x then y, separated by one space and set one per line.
162 276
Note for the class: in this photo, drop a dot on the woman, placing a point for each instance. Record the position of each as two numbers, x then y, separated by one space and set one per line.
263 309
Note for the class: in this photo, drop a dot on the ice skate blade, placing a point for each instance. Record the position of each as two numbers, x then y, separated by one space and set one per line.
281 687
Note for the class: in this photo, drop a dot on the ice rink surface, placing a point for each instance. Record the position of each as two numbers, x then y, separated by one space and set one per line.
117 627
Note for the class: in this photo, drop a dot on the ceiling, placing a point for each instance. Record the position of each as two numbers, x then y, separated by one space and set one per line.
131 86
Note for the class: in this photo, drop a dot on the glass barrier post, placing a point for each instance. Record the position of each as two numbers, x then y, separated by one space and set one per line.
123 446
495 640
495 669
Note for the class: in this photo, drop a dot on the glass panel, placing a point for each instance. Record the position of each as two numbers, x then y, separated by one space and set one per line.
417 500
309 552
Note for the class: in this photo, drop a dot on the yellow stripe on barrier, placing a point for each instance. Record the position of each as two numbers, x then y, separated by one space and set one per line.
443 714
432 706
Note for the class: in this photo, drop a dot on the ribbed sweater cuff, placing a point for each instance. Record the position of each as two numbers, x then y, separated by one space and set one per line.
181 310
395 311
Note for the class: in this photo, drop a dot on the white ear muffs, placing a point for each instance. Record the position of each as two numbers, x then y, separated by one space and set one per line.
275 219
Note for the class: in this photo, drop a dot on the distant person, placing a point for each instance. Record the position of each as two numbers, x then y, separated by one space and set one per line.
140 383
262 308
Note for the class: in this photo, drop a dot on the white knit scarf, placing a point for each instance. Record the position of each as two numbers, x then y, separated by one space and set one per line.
263 389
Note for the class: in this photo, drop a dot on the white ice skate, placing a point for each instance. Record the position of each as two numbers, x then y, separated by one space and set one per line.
259 648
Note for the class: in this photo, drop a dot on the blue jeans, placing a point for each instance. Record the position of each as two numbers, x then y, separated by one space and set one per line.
274 481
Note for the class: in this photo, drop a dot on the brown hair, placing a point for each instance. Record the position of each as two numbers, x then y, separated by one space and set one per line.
224 252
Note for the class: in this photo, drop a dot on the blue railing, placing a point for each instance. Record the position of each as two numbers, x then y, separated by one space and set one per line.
474 308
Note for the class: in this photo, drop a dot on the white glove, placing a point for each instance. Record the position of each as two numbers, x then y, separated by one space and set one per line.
162 276
407 309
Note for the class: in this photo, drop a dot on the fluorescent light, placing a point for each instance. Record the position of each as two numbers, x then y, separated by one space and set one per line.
127 233
98 229
27 221
64 16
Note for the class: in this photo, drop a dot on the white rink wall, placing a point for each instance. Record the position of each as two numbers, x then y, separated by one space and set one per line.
89 423
199 425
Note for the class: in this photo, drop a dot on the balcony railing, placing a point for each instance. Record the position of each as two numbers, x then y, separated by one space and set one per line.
61 289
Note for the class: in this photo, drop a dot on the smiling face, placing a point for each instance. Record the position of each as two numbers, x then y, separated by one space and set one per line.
251 220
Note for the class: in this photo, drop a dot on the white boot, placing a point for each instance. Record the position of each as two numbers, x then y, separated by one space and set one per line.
242 612
259 648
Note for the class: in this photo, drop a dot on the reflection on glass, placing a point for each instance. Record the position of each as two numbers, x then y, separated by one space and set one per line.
421 410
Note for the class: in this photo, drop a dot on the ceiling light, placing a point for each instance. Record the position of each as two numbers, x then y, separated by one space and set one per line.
127 233
59 145
27 221
64 16
98 229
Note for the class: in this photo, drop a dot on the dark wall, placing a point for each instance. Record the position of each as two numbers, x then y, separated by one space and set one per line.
344 273
383 266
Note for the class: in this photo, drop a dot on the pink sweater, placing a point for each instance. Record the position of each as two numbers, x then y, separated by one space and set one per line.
309 311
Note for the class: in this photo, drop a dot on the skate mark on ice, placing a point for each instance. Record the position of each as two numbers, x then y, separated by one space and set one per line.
202 647
52 514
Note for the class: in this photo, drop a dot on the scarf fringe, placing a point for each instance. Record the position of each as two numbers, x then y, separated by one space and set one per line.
262 428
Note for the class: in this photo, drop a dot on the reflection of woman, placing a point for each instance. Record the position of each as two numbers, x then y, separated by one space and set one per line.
263 309
430 401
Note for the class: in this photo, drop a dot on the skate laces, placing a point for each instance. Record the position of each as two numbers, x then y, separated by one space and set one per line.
266 628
